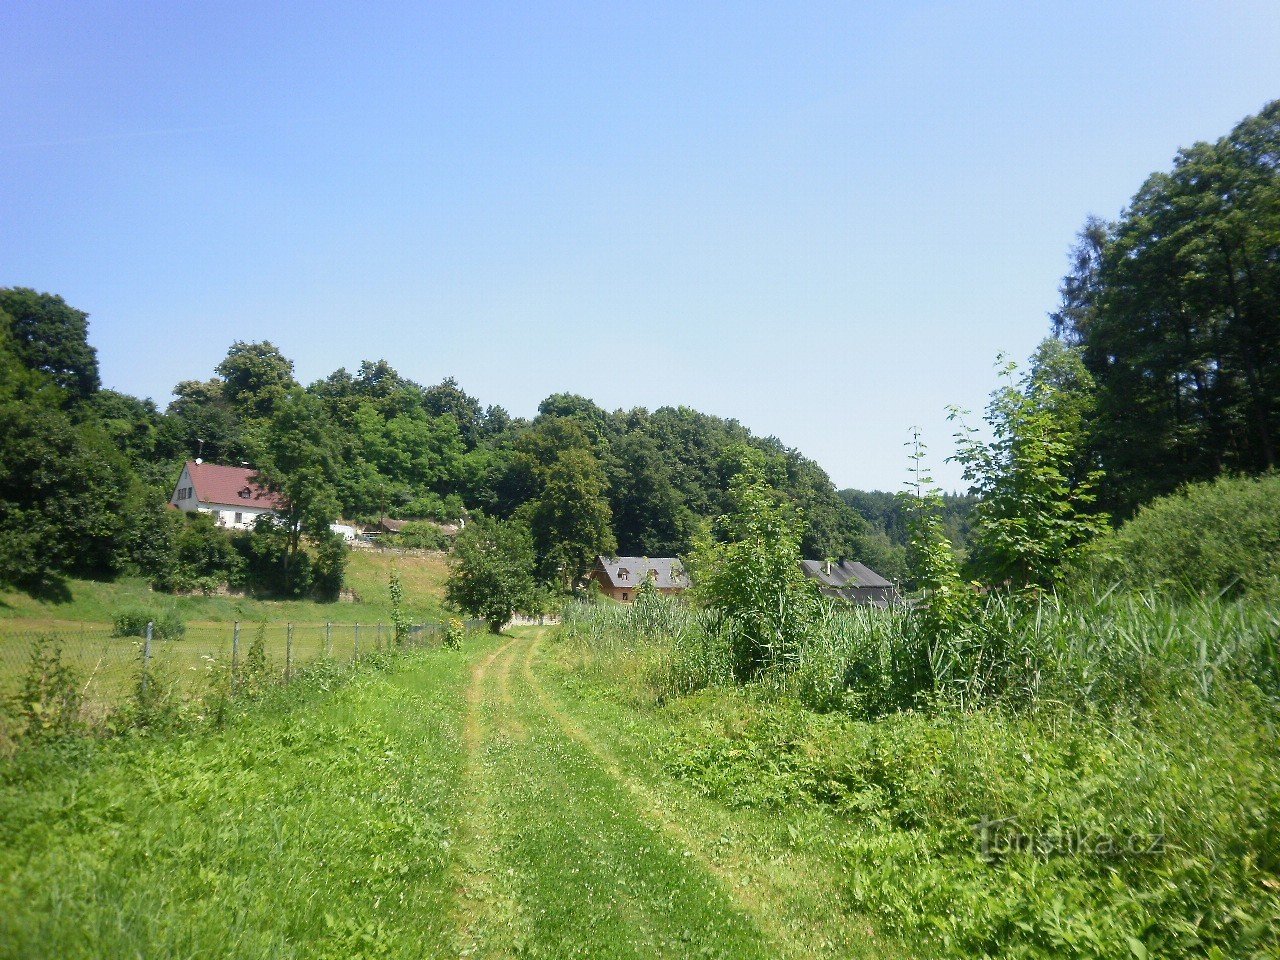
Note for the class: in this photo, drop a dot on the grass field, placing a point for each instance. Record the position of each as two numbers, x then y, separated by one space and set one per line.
88 603
547 794
458 804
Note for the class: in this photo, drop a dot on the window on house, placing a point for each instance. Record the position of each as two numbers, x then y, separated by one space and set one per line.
624 594
239 517
624 574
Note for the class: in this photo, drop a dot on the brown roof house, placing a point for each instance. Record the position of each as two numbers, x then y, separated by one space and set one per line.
851 581
229 493
620 577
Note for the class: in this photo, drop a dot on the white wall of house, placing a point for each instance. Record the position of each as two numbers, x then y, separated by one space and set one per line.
184 493
234 518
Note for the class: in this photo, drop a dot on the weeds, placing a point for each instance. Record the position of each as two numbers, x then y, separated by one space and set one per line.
48 703
1117 717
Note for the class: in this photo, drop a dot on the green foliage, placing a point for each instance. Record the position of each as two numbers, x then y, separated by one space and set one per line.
204 556
167 624
1174 306
1207 539
400 623
422 535
570 521
48 702
51 337
256 377
329 568
1147 831
945 605
62 483
491 571
454 633
1035 498
300 450
749 572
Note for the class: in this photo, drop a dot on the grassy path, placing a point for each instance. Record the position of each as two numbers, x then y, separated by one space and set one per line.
462 804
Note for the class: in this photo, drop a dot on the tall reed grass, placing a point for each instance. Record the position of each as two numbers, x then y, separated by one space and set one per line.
1108 650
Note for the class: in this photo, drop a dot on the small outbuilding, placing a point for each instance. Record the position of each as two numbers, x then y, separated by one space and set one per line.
850 581
621 577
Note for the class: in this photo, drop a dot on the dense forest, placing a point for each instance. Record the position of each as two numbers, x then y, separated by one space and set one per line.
87 471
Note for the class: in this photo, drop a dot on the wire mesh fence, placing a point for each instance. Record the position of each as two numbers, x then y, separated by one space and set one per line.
108 670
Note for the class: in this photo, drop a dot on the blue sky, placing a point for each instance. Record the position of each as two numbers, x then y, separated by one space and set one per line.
824 220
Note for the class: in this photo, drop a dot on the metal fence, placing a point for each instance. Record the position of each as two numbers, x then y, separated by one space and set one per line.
109 669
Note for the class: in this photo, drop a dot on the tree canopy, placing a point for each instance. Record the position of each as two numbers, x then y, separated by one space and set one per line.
1176 306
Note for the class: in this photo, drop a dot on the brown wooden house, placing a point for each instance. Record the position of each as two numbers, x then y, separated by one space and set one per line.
621 577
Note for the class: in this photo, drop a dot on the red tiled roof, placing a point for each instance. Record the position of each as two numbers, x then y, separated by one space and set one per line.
230 486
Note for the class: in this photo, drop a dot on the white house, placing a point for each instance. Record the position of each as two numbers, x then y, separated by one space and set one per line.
228 493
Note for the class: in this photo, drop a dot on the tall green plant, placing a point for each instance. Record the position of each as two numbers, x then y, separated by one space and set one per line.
1036 498
946 603
399 621
748 568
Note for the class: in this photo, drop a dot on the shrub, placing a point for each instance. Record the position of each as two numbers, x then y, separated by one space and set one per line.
1208 538
133 623
48 702
454 631
422 535
752 576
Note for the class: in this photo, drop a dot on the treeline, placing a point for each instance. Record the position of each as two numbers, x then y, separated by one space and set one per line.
887 515
85 472
1175 309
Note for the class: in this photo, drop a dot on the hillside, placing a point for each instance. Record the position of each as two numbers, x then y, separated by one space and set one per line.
91 603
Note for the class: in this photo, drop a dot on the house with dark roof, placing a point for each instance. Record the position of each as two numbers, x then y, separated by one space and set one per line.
621 577
229 493
850 581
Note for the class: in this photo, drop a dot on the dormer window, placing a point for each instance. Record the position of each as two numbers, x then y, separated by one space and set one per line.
653 574
246 493
624 573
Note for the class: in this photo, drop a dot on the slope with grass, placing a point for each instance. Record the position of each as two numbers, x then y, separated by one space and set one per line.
91 603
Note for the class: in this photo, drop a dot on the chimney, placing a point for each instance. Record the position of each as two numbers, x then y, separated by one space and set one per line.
828 568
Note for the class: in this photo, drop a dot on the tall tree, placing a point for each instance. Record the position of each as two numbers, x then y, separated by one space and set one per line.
1176 309
256 377
571 519
301 465
49 335
491 571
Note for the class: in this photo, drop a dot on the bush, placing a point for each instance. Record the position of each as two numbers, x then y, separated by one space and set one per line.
422 535
1208 538
133 623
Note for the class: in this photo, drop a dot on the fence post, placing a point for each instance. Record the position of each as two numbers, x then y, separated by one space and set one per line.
235 654
377 638
356 655
146 655
328 639
288 652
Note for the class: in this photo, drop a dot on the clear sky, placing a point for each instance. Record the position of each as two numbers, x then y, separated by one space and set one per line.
822 219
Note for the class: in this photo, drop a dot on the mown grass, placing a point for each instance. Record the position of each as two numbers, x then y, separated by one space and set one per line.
96 603
1131 722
